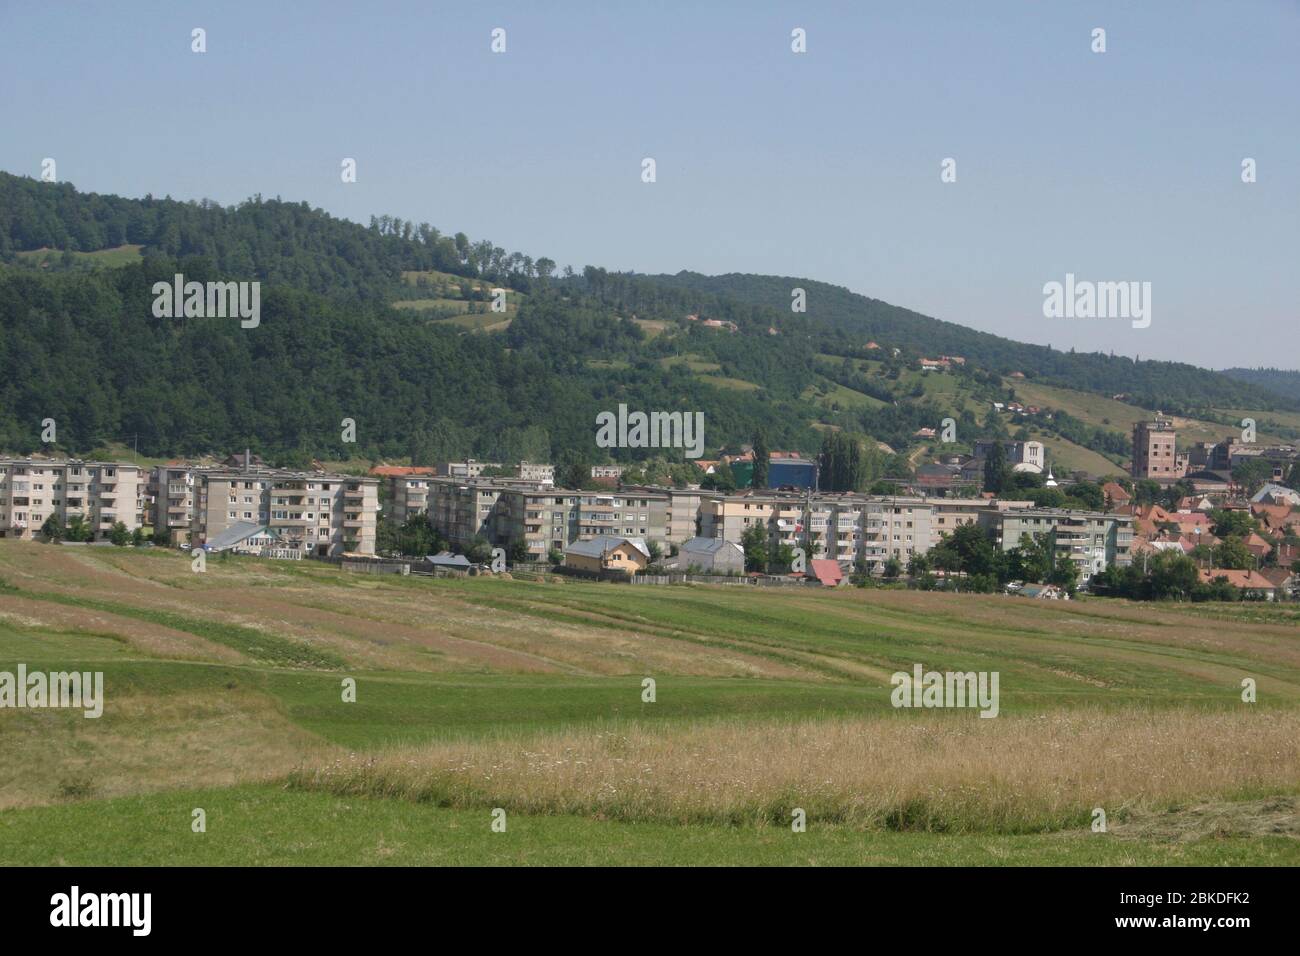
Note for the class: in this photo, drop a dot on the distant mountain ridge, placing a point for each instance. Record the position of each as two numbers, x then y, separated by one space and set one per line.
1283 382
850 319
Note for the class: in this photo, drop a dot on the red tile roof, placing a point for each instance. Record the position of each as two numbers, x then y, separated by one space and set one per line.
1239 579
397 471
828 572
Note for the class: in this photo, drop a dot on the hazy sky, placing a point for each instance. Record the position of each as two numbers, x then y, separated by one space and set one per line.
1123 165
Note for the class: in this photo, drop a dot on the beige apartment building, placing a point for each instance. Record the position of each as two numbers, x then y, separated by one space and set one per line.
101 493
320 515
949 514
895 528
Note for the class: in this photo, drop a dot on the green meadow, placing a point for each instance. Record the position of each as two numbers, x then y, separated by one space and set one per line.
628 724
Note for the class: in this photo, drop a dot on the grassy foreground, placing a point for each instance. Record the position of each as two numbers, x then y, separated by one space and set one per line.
266 825
224 691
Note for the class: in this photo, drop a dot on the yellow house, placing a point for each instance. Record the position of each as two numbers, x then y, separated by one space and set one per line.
608 553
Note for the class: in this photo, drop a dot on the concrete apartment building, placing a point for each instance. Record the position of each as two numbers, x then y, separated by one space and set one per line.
684 518
632 514
469 468
846 528
1155 454
102 493
321 515
504 512
463 510
949 514
1092 540
171 488
895 528
533 471
407 487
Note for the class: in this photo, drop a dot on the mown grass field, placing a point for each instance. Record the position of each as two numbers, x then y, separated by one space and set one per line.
224 691
1120 416
106 258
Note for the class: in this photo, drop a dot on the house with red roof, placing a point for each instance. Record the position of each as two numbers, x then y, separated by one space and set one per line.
828 572
1253 584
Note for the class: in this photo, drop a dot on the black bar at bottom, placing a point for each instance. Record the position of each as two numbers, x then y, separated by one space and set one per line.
333 906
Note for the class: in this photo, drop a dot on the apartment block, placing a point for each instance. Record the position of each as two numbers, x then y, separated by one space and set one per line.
321 515
101 493
505 512
895 528
1092 540
533 471
846 528
541 518
469 468
949 514
684 516
633 514
407 487
171 490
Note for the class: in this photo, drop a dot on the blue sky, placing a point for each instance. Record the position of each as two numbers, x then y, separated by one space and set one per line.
1123 165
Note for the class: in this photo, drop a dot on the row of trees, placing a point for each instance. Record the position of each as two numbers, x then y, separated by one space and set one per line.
78 529
970 552
1167 575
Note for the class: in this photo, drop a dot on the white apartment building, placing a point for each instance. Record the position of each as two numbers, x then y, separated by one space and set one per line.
32 490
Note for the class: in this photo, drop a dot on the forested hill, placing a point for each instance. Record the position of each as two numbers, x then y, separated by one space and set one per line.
847 319
1283 382
381 324
265 239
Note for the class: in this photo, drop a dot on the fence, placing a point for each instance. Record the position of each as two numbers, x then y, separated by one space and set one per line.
776 581
375 567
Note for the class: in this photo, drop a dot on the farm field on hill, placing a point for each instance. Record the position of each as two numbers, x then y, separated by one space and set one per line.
223 691
1120 416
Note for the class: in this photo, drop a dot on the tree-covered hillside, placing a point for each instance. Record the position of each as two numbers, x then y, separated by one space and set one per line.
847 320
1282 382
343 335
